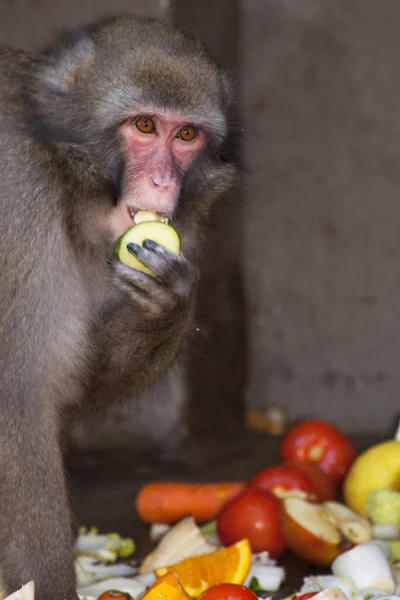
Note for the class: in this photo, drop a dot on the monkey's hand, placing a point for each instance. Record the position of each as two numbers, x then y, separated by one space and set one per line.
166 294
138 337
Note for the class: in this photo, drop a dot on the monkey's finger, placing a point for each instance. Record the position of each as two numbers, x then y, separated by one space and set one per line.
142 287
160 260
177 277
173 271
152 246
132 281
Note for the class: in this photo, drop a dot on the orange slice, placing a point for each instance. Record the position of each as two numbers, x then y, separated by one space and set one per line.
198 573
166 588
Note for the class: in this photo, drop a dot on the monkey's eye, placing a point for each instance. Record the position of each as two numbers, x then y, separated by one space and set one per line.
146 125
187 133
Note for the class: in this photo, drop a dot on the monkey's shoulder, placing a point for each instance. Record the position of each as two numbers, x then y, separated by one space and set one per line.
15 67
14 63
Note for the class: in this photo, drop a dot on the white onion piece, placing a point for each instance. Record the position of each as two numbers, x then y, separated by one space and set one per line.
269 578
182 541
86 543
316 583
89 570
367 566
263 558
332 593
26 592
384 547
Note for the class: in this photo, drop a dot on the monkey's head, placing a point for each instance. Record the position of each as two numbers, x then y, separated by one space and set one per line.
149 105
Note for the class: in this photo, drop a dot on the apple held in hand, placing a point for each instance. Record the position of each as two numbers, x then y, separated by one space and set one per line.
320 532
253 514
301 478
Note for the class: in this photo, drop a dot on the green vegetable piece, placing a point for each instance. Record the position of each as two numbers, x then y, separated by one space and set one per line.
395 549
104 548
158 232
124 547
254 585
209 528
383 507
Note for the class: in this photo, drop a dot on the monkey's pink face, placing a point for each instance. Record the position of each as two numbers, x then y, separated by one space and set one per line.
158 149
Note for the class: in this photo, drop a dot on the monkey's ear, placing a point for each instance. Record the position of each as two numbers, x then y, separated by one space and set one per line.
67 61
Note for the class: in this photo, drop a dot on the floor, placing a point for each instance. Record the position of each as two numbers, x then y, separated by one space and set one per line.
103 489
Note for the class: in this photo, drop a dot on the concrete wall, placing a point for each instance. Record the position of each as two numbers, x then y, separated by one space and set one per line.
28 24
321 90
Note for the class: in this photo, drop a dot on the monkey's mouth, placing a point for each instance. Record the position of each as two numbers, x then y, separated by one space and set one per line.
140 216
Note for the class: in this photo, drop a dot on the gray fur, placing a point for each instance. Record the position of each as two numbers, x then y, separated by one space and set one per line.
73 331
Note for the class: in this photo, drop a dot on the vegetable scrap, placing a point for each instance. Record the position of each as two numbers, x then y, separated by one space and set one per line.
204 534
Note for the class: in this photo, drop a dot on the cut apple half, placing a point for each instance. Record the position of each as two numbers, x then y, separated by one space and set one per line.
282 493
320 532
354 527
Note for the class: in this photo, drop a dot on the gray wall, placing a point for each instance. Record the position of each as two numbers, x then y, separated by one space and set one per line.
321 83
29 24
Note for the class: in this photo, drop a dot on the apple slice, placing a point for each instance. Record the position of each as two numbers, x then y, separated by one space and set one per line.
312 531
351 525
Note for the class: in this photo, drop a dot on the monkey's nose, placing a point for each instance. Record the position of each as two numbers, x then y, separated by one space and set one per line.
161 183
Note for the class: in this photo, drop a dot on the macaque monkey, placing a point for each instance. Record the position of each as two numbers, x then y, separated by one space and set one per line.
127 115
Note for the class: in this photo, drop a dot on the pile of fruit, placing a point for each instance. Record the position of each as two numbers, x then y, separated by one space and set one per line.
222 541
292 505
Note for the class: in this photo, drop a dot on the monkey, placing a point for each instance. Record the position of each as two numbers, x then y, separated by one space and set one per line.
122 115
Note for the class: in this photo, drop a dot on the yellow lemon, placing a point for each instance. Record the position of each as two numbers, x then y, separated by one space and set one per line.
376 468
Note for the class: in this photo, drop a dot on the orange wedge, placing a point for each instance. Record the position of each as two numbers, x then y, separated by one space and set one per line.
166 588
198 573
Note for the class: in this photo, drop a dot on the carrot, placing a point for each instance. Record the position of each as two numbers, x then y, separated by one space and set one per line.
167 502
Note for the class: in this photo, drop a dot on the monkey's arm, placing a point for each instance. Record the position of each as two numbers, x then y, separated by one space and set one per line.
35 519
42 342
137 338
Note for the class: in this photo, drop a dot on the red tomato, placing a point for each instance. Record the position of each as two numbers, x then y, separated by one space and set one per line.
252 514
300 475
228 591
306 596
320 442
